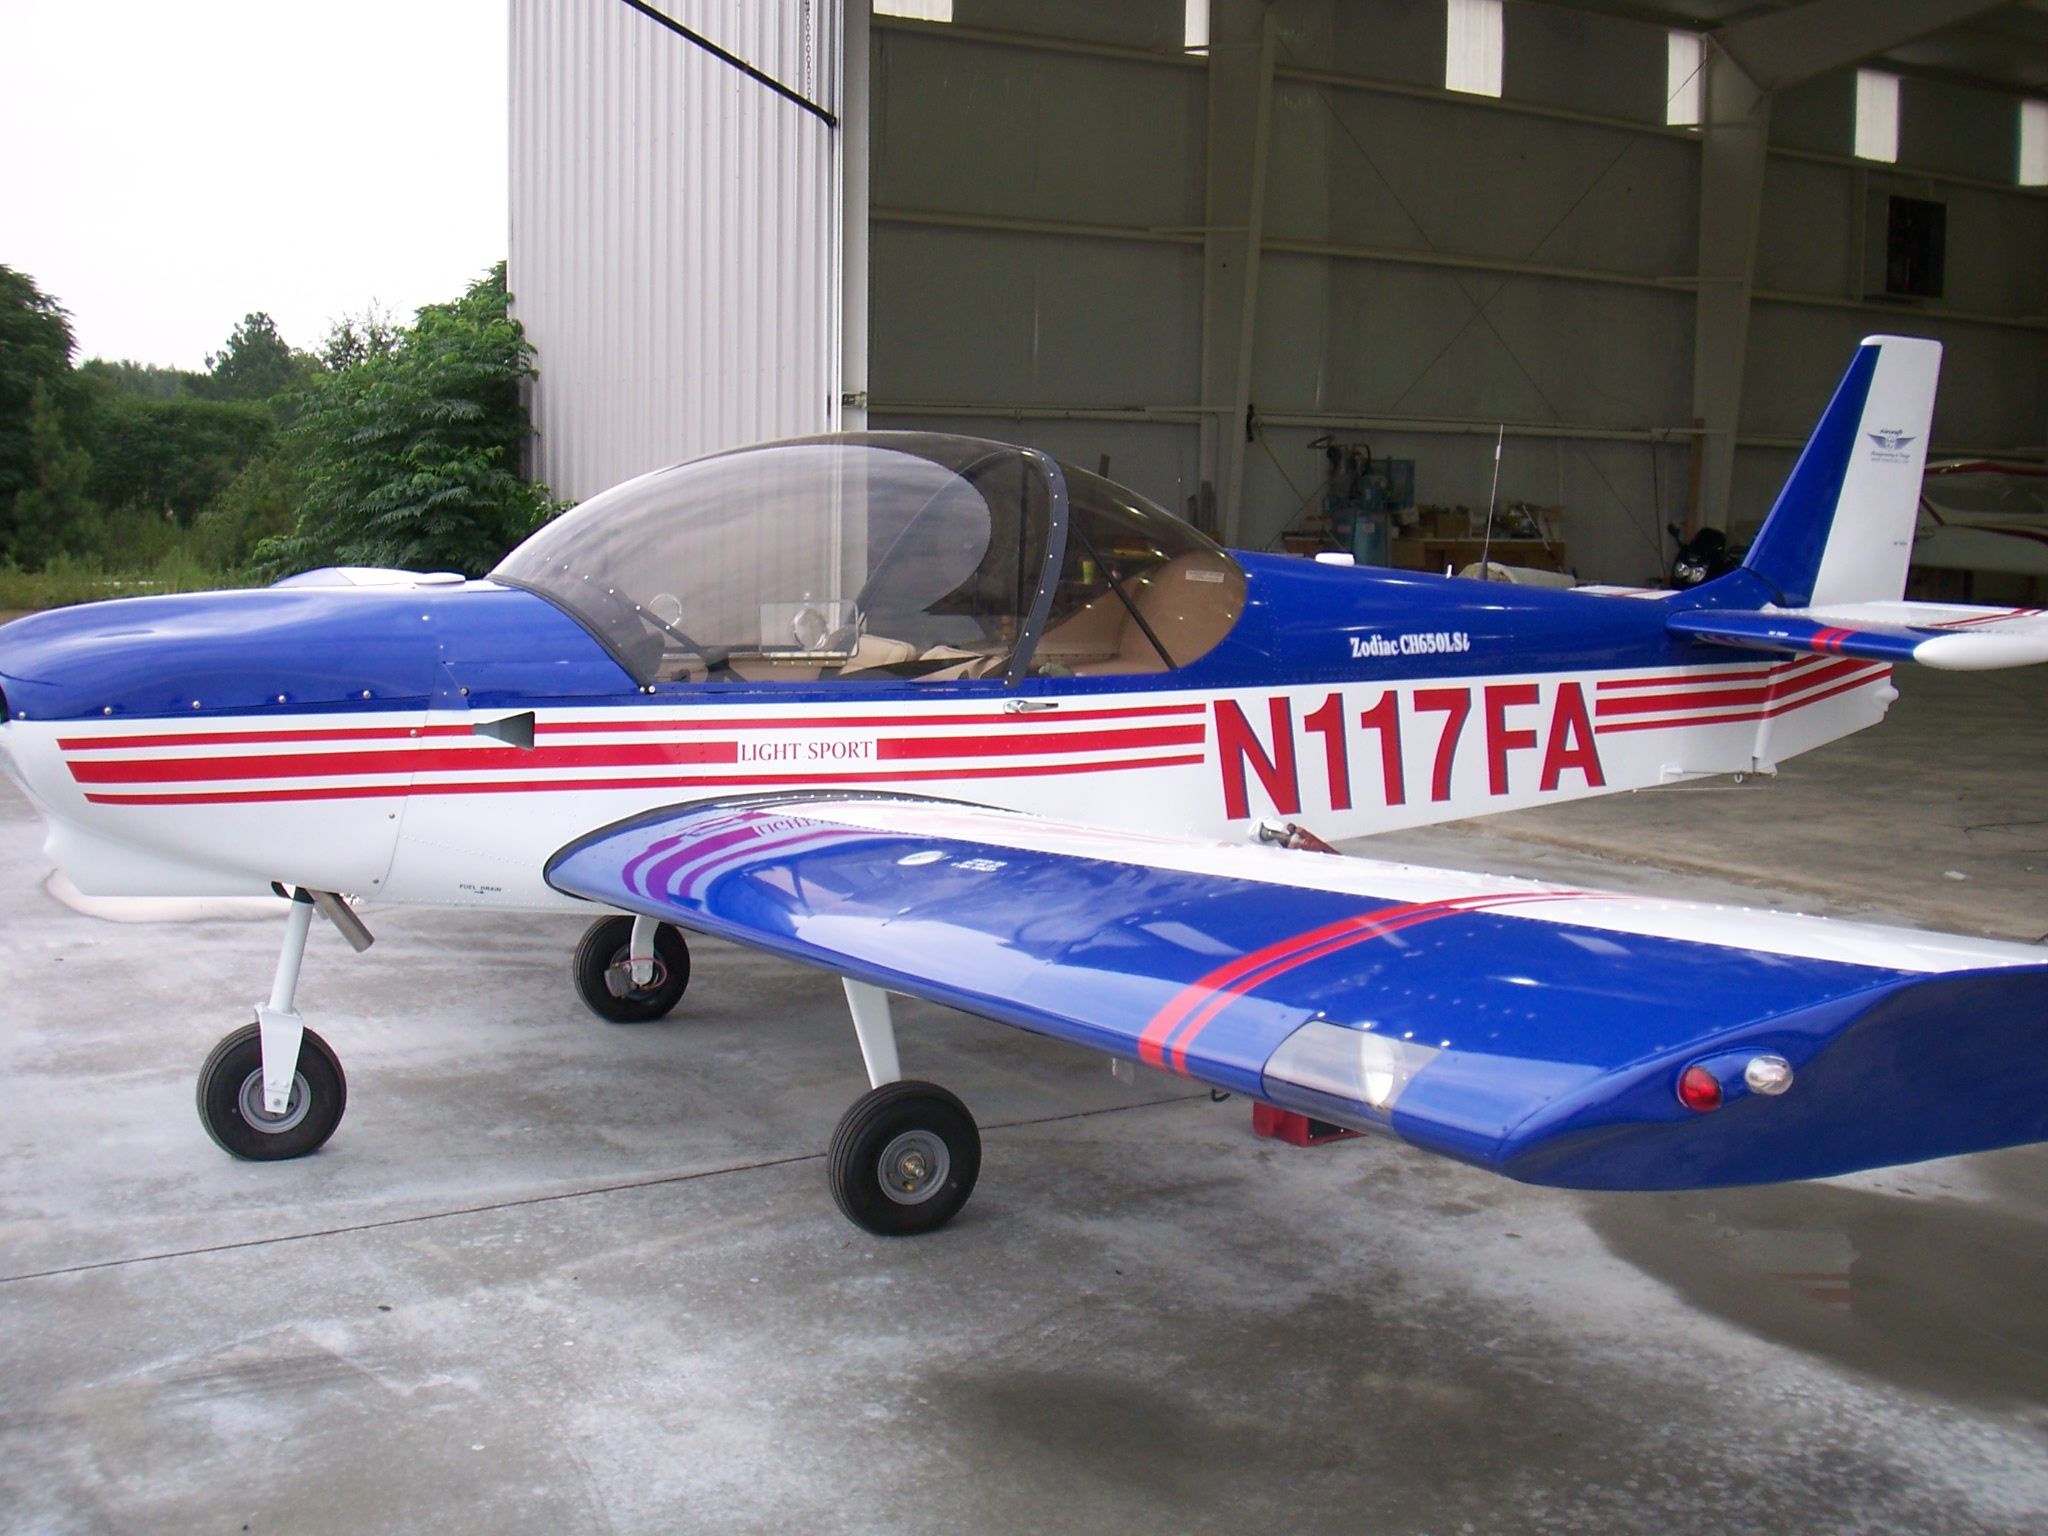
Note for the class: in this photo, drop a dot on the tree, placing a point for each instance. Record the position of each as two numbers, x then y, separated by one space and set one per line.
144 381
50 514
411 454
356 338
44 414
174 456
254 365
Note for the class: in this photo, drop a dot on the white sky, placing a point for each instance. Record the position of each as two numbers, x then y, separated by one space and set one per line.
170 166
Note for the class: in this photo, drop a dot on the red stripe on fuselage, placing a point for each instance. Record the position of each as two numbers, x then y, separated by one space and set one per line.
908 747
1777 687
203 738
683 721
668 781
1873 672
1703 678
322 765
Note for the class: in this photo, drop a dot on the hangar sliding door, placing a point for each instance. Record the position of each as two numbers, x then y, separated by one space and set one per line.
676 226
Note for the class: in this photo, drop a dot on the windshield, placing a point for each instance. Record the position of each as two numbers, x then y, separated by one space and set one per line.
917 556
889 554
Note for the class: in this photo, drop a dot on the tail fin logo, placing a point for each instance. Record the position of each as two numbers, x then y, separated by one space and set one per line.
1891 445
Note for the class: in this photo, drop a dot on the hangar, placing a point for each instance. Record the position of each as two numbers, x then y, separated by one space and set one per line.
1235 250
562 1275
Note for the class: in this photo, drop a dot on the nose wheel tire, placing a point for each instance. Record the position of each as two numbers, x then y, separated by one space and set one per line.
604 972
904 1159
231 1098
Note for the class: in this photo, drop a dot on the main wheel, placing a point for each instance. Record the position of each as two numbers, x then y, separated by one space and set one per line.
904 1159
231 1098
604 972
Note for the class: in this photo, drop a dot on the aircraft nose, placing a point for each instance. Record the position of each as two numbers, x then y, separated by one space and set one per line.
218 652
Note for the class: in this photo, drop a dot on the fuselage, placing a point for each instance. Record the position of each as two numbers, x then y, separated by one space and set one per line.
335 737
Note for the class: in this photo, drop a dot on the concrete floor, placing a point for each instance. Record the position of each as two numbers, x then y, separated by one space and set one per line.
554 1276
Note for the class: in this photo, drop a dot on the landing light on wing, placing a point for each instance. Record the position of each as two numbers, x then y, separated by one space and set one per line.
1768 1075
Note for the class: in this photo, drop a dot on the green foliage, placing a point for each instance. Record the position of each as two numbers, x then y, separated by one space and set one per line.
68 579
412 452
43 415
260 503
357 338
398 445
139 381
254 365
174 456
51 510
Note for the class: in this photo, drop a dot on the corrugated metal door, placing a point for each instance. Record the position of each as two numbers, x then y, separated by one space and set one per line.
675 228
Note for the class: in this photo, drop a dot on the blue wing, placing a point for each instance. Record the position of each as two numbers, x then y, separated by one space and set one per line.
1530 1029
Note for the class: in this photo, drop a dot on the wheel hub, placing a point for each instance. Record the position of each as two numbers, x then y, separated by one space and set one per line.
913 1167
618 978
295 1108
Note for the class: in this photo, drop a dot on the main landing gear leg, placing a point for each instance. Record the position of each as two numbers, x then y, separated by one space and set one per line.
274 1089
905 1156
631 970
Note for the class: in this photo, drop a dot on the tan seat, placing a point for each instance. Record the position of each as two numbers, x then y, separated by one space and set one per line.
1190 603
878 651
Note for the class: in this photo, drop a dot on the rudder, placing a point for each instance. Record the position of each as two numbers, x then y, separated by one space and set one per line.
1841 530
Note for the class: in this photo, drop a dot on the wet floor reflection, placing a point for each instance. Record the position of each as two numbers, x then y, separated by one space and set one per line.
1925 1289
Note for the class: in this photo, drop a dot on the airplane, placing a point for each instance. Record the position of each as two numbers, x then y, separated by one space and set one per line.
949 718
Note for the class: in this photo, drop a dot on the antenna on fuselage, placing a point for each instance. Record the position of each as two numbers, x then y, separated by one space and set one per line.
1492 500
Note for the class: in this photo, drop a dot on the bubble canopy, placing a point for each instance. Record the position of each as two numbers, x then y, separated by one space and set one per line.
914 556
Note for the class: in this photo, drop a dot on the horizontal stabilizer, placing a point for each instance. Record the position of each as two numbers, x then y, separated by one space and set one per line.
1945 635
1531 1029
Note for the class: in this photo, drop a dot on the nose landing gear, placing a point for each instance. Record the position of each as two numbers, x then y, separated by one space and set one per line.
274 1089
231 1098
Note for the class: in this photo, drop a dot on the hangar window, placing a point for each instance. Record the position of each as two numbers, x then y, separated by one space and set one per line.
916 10
1194 35
1472 47
2034 143
1685 60
1877 116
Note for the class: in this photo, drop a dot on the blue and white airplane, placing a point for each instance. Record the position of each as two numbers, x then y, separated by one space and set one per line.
949 718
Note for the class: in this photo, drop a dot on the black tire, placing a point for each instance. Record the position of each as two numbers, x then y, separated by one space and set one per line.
904 1159
606 986
231 1098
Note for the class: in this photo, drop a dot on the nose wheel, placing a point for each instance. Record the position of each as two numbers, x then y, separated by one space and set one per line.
274 1089
231 1100
626 974
904 1159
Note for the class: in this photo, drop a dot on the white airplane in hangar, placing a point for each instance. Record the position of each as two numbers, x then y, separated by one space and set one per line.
949 718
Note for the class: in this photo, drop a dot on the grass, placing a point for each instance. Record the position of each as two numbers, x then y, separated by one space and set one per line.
72 579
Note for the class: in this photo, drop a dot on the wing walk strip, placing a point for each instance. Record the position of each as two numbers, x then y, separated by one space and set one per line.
1172 1031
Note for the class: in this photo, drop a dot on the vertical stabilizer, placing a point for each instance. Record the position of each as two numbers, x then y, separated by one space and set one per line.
1842 528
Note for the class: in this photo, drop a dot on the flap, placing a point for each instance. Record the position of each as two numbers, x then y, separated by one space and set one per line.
1530 1028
